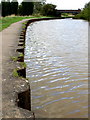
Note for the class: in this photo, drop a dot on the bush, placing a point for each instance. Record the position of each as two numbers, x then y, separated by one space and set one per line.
49 10
26 8
85 13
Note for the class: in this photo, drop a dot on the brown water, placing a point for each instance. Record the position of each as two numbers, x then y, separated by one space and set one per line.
56 55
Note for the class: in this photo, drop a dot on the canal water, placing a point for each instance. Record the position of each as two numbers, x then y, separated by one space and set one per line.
56 55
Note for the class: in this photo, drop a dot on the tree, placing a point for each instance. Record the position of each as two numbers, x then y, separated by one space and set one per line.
26 8
3 8
20 12
6 8
85 13
14 7
0 10
9 8
38 7
87 10
49 10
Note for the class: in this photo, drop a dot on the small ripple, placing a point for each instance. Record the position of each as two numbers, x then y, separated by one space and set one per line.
38 88
65 98
57 93
54 69
35 97
75 87
56 87
76 79
35 81
55 80
75 101
75 111
37 107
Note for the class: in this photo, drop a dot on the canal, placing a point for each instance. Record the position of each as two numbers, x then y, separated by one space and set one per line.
56 55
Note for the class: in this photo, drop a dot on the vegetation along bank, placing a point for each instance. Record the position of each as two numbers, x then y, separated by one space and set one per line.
85 13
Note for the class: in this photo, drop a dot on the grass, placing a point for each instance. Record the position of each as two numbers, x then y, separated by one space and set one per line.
7 21
14 58
67 15
15 73
23 64
21 55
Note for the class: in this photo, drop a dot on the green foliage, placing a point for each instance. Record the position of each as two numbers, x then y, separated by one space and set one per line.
14 58
27 79
15 73
37 8
49 10
37 14
7 21
9 8
0 9
65 14
14 7
21 55
85 13
23 64
6 7
24 23
26 8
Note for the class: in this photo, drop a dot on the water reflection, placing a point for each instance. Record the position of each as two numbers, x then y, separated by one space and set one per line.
56 55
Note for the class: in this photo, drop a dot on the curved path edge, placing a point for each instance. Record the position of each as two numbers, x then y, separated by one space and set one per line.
12 86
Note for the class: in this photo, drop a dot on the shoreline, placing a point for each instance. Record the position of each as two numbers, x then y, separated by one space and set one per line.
15 90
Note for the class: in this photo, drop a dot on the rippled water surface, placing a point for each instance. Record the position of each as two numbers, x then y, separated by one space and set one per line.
56 55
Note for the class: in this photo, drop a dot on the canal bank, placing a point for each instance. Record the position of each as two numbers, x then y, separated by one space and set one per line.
15 89
12 85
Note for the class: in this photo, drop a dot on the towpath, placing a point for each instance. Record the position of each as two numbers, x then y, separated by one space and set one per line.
8 45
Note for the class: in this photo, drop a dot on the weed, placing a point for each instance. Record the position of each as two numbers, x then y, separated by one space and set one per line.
15 73
23 64
21 55
14 58
24 23
23 26
27 78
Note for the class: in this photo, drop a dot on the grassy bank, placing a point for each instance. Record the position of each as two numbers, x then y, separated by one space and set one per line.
7 21
85 13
